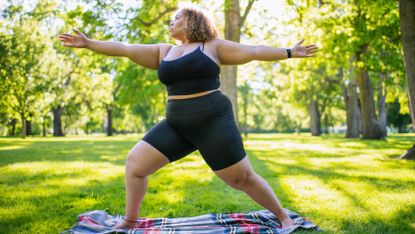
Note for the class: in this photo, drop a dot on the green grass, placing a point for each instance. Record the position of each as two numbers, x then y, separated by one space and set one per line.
343 185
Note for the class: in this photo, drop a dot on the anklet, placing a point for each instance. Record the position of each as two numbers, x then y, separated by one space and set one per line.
129 220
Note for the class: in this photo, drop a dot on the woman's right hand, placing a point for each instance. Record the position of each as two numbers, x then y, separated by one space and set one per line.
78 41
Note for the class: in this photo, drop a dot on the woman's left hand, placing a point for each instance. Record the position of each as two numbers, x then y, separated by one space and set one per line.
299 51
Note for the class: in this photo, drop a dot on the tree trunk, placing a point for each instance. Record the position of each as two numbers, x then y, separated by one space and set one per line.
298 127
407 18
13 123
228 86
109 121
410 154
43 127
359 117
245 111
28 128
326 124
370 125
23 131
57 121
351 103
401 128
232 33
382 104
244 91
352 110
246 117
315 119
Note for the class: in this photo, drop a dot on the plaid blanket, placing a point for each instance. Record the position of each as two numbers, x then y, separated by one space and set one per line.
262 221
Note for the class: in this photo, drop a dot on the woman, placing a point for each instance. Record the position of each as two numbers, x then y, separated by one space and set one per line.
198 115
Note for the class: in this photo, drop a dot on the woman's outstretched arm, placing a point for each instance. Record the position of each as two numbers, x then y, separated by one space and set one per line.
145 55
232 53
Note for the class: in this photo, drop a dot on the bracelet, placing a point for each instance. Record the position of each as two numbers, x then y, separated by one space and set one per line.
289 53
129 220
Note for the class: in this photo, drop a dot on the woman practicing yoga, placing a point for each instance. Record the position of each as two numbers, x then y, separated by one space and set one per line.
198 115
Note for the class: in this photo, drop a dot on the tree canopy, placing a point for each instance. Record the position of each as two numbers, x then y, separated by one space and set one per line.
357 77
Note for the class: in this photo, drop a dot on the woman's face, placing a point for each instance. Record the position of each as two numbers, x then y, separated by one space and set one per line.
177 26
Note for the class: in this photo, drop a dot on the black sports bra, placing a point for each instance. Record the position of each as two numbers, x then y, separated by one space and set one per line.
191 73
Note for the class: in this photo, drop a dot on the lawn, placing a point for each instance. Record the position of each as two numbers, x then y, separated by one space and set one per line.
342 185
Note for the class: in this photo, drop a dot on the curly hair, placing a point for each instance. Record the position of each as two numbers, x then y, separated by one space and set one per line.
198 27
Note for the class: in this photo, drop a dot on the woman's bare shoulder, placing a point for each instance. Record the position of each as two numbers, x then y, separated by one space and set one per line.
218 42
215 42
165 47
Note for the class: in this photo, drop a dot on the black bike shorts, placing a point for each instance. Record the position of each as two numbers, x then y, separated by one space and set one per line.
204 123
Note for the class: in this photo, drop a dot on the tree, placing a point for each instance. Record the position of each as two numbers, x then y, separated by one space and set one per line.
353 114
139 90
83 88
22 55
397 119
233 25
407 16
244 91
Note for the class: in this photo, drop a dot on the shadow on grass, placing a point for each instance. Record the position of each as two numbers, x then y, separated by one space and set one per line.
393 141
63 151
177 190
52 209
211 195
46 182
399 223
381 184
16 178
197 188
273 180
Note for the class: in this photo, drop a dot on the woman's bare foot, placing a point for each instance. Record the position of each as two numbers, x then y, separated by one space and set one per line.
287 223
126 225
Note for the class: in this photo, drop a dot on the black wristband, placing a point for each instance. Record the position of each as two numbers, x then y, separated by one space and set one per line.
289 53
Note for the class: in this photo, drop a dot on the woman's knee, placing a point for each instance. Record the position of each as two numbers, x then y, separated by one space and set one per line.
242 180
143 160
133 167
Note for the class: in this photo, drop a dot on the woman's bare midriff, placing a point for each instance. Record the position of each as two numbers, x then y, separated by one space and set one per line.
175 97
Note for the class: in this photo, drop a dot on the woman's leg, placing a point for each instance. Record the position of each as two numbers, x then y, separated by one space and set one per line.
161 145
242 177
142 161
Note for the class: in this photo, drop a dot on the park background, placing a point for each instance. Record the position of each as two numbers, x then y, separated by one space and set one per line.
325 132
